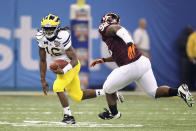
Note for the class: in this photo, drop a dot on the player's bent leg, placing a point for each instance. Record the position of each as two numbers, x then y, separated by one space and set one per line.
111 86
77 94
59 85
88 94
163 91
120 97
67 118
64 80
182 91
63 99
111 98
61 82
166 91
148 83
74 89
76 97
113 113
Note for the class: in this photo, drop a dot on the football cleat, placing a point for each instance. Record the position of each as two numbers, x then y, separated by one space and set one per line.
184 93
120 97
106 115
68 119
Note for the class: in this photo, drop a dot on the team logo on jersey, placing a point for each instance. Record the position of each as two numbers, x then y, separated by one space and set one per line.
56 43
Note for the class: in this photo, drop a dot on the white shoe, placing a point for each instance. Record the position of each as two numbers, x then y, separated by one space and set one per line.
184 93
120 97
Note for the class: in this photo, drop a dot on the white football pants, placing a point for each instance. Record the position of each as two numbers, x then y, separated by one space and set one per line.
139 71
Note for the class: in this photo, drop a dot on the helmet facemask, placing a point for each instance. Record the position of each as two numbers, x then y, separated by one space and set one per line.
50 32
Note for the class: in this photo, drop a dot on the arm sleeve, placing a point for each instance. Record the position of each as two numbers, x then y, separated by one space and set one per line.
124 35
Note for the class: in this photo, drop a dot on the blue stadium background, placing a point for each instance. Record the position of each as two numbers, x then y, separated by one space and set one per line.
165 21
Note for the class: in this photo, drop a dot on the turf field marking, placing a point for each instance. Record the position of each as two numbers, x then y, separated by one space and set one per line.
89 113
32 108
60 124
78 112
81 124
47 113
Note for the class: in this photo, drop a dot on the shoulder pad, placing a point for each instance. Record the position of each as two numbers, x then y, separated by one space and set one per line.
63 36
39 35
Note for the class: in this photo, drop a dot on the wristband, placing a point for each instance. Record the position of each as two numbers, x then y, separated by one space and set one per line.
67 68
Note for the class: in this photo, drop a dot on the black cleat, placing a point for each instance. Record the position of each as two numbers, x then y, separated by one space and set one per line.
106 115
68 119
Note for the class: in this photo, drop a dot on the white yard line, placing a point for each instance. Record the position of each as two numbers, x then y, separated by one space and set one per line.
60 124
83 124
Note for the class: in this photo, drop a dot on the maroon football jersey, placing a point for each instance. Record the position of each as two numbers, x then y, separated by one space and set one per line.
118 47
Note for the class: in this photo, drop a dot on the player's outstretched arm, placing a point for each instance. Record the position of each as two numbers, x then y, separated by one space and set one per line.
99 61
43 68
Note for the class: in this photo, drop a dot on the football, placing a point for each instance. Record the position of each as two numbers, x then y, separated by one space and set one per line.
61 63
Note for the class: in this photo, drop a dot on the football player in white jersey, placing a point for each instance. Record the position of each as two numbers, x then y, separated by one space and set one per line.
56 42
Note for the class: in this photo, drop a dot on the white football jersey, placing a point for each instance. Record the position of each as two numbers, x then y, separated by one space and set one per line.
57 47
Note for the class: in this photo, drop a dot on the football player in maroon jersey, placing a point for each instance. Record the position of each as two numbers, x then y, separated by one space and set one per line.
132 66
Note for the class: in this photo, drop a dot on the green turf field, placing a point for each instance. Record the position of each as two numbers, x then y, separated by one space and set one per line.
139 112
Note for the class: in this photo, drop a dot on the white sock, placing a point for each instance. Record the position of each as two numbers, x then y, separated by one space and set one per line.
67 111
100 92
